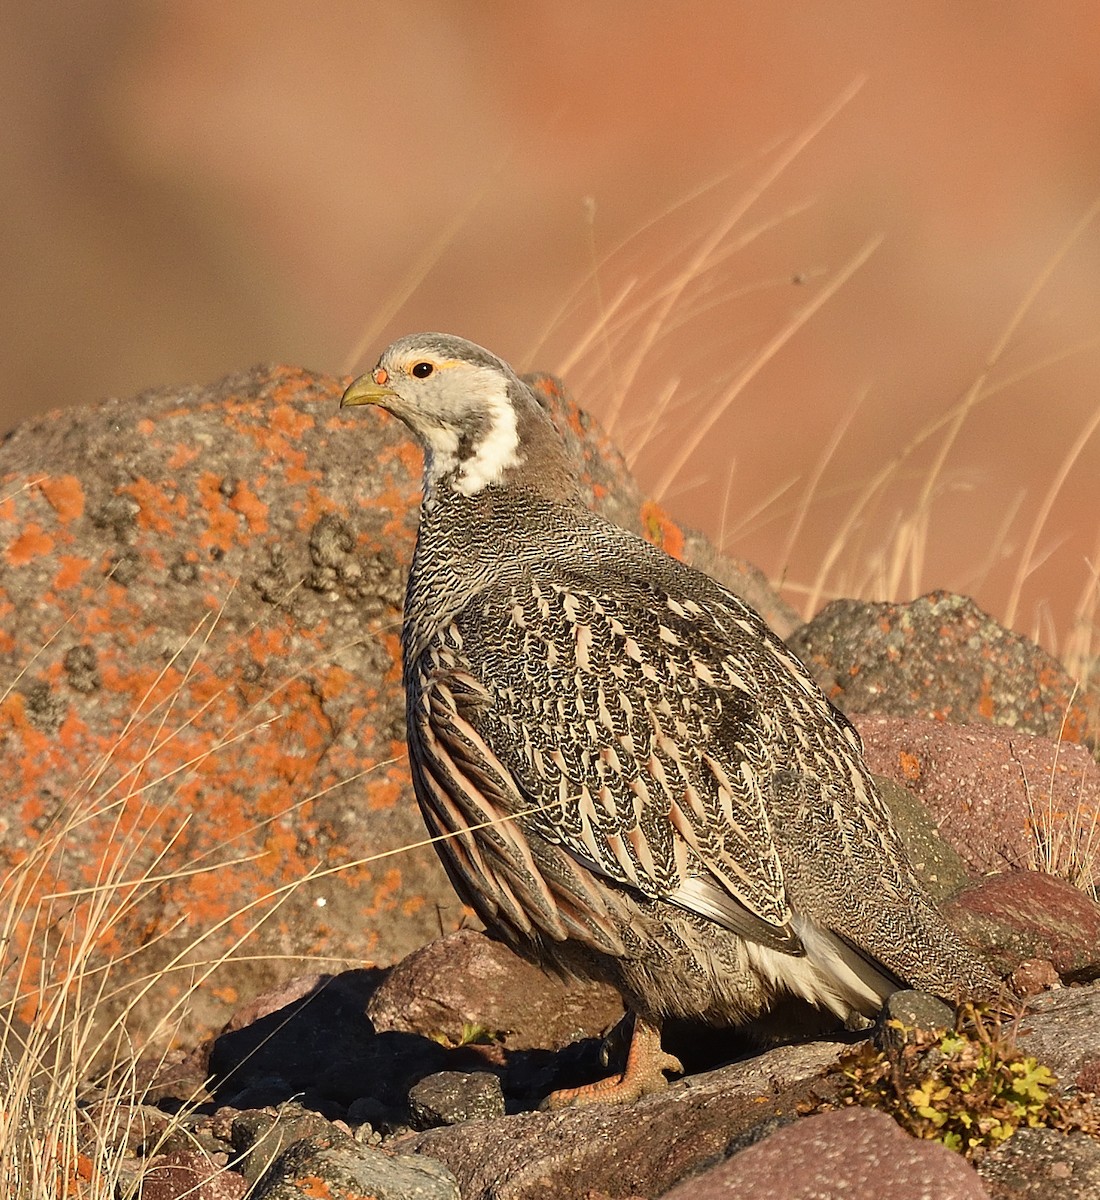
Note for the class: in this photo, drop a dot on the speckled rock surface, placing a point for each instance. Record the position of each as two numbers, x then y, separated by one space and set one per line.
853 1154
335 1167
941 657
1003 799
1062 1029
468 981
1022 915
1043 1164
627 1150
200 594
617 1151
192 1175
938 865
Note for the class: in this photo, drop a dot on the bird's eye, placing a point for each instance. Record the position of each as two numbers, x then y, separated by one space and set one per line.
422 370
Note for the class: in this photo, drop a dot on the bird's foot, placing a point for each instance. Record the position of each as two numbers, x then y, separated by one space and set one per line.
646 1064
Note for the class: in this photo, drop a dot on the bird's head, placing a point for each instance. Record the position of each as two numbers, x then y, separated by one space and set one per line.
479 424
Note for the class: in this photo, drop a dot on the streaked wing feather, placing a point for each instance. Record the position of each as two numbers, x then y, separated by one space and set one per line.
635 736
462 784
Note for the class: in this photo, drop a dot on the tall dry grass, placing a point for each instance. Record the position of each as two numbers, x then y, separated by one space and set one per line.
70 1081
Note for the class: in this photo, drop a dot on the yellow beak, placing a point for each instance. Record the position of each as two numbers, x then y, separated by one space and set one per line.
365 391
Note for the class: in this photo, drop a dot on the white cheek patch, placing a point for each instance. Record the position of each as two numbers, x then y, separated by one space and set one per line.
498 450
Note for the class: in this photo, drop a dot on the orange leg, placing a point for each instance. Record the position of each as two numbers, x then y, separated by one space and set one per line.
646 1063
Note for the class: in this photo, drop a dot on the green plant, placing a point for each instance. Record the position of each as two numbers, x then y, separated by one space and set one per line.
473 1034
967 1087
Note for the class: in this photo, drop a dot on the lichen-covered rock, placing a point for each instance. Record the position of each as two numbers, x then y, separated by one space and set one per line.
336 1167
259 1136
449 1097
1003 799
200 709
941 657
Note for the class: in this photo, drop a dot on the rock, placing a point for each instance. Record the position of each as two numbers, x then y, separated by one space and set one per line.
941 657
1043 1164
913 1010
648 1147
190 1176
134 1127
1034 975
200 593
466 982
1003 799
453 1096
851 1154
258 1137
337 1167
937 864
625 1149
645 1148
288 1049
1062 1030
1024 915
302 988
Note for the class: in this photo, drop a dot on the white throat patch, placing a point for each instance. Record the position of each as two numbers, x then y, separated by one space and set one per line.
499 448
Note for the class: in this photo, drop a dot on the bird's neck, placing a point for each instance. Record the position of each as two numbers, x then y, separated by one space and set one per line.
453 558
469 538
466 545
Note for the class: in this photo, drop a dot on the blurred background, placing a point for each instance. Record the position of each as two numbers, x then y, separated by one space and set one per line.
829 271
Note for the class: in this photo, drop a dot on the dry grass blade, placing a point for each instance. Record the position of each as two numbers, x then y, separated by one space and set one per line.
1081 653
757 364
1065 830
701 260
814 481
574 298
1027 563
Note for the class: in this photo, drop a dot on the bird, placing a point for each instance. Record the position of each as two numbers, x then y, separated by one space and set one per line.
626 773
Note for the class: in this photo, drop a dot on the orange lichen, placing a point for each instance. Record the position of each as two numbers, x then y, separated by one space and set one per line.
221 520
155 504
251 507
70 571
548 386
314 1187
32 543
407 455
181 456
659 528
384 891
985 699
65 495
290 421
383 794
576 422
910 765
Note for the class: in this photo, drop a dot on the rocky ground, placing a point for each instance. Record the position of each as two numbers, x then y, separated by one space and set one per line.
199 608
